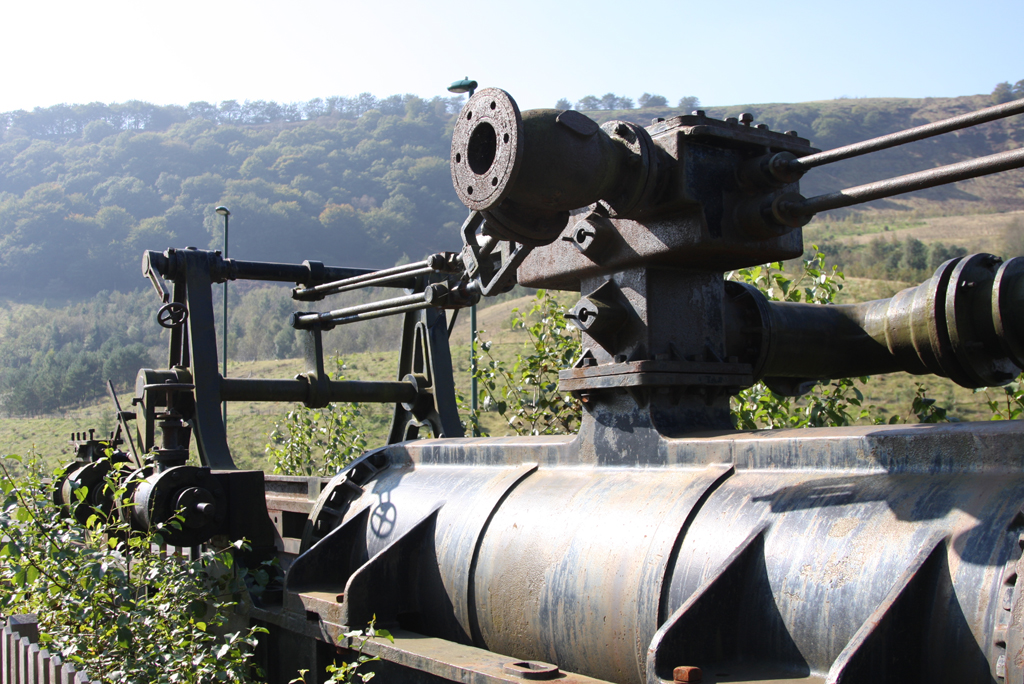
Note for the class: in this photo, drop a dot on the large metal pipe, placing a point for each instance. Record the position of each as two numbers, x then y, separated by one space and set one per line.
962 323
873 554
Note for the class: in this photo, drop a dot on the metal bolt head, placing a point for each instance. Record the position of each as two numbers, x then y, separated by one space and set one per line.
583 315
687 673
584 237
746 118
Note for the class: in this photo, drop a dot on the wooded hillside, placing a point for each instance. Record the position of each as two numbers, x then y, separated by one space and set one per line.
83 190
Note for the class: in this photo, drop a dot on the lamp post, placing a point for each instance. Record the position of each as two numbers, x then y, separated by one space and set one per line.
468 86
463 86
223 211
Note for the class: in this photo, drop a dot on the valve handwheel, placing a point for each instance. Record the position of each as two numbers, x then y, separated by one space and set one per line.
172 315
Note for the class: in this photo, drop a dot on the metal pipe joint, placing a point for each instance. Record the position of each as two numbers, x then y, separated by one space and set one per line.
527 171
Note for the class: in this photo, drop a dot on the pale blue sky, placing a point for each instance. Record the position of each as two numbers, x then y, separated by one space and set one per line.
539 50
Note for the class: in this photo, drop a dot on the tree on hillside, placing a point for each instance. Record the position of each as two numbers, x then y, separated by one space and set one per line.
202 110
613 101
608 101
648 100
688 103
1003 92
563 104
96 131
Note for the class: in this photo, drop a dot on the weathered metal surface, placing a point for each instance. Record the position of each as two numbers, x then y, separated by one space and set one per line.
732 553
952 325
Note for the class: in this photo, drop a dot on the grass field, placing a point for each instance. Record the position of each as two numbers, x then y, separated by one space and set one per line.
250 423
976 232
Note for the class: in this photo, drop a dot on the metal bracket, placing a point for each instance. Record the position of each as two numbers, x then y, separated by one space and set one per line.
490 261
426 362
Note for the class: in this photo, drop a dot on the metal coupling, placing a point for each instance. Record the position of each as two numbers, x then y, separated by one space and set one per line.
192 493
770 216
965 323
769 171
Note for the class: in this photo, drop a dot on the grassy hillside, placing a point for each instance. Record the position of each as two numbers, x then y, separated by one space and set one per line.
1002 233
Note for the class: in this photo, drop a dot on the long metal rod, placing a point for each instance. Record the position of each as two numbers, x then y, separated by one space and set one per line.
1003 161
305 273
286 390
224 342
381 313
366 280
124 423
337 288
910 135
388 305
474 399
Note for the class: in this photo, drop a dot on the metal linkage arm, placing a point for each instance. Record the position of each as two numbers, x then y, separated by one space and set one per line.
792 210
297 390
436 295
442 262
910 135
172 265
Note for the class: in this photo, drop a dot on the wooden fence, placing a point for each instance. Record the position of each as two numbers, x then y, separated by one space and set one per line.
23 662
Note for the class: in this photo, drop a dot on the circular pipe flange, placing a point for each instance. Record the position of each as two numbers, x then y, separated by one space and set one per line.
487 149
1007 299
969 322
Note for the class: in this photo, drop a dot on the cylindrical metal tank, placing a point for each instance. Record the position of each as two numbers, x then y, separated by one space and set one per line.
837 554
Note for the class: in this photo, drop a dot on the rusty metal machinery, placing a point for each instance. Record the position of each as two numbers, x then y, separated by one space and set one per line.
659 543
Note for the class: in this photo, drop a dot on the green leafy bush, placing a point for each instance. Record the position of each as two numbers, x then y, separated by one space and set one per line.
318 441
526 393
110 601
1010 405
